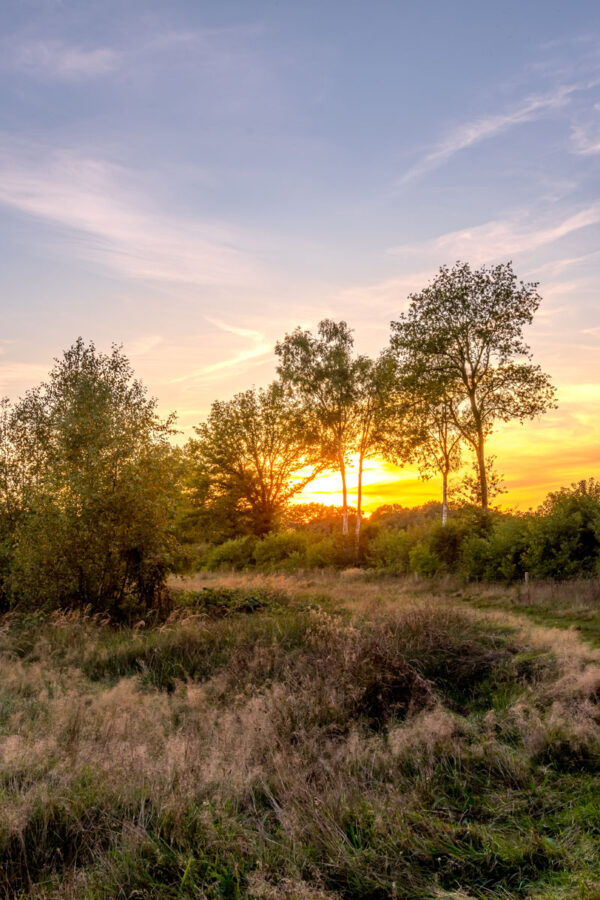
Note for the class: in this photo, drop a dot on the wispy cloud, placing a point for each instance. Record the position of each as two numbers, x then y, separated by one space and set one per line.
143 345
215 51
385 297
500 238
585 136
259 348
20 374
557 266
249 333
58 59
484 127
104 220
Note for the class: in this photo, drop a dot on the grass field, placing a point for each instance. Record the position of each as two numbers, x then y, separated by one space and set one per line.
303 737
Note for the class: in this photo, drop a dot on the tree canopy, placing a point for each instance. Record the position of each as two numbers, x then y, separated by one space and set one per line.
321 370
252 455
462 338
89 460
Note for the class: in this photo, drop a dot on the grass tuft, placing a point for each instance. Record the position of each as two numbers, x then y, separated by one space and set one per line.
306 738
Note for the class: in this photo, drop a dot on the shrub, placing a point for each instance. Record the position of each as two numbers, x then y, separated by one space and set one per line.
564 542
237 553
424 561
475 557
97 481
321 554
445 543
220 602
189 558
285 549
389 551
508 543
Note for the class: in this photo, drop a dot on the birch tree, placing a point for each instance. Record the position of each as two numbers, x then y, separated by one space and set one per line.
374 408
438 450
321 371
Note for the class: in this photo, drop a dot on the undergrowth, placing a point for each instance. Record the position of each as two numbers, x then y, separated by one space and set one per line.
290 739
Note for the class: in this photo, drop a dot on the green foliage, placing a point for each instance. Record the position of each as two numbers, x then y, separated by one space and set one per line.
389 551
424 561
97 482
476 556
561 541
322 373
498 556
286 550
445 542
189 557
237 553
564 542
461 341
423 752
220 602
427 550
281 551
245 463
322 553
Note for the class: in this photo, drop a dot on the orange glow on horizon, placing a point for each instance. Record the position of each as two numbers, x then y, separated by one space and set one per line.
534 458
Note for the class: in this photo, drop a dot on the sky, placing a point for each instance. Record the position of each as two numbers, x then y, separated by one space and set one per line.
195 179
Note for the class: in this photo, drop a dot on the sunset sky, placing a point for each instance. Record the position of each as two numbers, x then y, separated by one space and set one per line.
194 179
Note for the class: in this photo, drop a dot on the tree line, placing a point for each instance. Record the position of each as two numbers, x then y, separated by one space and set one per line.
456 365
94 495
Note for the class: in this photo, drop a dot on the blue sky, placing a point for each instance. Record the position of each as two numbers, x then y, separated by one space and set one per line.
193 179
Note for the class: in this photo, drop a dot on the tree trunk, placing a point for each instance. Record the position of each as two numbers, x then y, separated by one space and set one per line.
482 473
480 452
344 496
358 507
444 498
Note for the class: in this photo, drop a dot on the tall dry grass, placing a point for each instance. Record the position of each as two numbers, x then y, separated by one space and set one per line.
351 739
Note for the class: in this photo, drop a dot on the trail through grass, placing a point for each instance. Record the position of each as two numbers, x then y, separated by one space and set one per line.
290 737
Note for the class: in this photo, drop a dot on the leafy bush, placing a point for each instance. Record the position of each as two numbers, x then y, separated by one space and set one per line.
445 543
189 558
237 553
475 557
321 554
439 549
220 602
508 544
285 549
90 462
389 551
564 542
424 561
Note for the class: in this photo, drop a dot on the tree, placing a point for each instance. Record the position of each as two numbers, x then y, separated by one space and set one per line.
466 328
439 449
94 472
12 503
321 371
249 456
467 492
374 412
429 435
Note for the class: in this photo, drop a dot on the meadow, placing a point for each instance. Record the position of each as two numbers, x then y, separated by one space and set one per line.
307 735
